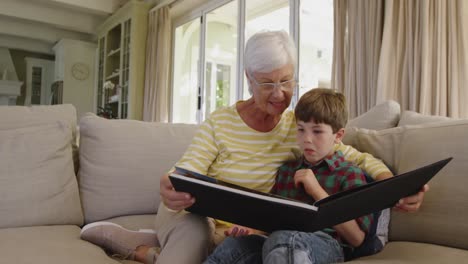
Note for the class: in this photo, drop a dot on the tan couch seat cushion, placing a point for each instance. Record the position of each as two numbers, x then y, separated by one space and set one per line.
121 162
414 253
37 182
49 244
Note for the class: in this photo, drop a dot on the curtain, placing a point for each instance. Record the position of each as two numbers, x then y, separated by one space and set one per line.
356 51
339 45
157 82
423 59
413 52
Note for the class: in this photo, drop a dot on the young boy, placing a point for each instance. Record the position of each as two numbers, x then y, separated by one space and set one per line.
321 116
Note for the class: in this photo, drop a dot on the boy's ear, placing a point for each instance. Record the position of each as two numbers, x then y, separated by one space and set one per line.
339 135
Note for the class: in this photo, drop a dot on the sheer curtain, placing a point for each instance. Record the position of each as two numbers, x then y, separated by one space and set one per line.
413 52
157 82
423 59
356 52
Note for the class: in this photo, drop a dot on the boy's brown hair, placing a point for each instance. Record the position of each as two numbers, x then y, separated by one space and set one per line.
323 106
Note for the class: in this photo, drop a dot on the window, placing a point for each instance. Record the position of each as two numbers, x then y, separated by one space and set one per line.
264 15
220 58
315 45
185 73
208 71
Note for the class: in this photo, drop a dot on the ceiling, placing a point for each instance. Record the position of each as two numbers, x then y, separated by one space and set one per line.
36 25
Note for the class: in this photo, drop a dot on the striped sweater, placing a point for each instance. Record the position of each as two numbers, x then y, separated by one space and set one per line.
226 148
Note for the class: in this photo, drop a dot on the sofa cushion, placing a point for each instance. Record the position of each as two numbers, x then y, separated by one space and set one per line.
382 144
23 116
49 244
37 182
442 217
414 118
414 253
382 116
121 162
19 116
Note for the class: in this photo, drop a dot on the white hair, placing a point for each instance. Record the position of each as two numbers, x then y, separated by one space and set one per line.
269 50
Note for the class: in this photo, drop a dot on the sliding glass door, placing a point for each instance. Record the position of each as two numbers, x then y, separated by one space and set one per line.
209 44
220 58
185 92
315 45
263 15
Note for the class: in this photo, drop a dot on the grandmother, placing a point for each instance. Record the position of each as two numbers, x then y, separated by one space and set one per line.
242 144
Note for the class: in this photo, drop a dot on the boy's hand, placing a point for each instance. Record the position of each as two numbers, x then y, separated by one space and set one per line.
237 230
307 178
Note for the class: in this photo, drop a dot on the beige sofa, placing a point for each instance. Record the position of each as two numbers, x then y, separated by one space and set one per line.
43 202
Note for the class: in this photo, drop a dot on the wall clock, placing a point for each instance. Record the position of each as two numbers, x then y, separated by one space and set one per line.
80 71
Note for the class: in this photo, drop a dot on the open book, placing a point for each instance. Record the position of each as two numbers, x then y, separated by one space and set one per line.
268 212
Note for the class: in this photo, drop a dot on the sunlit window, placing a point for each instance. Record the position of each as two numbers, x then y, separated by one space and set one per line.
206 77
185 78
220 57
316 44
264 15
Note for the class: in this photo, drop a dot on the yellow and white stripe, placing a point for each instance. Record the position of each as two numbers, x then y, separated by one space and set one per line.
226 148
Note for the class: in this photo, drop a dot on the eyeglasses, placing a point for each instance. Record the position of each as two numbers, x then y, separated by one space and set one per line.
267 87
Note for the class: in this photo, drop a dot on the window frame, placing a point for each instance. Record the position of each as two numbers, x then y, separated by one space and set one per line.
200 13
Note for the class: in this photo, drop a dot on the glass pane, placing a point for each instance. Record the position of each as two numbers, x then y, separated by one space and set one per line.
185 85
265 15
316 44
36 85
100 88
221 57
113 71
125 70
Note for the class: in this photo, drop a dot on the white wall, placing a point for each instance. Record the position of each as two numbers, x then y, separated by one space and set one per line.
80 93
6 63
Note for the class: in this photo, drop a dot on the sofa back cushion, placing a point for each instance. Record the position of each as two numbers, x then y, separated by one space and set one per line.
381 116
37 181
382 144
19 116
121 162
415 118
442 216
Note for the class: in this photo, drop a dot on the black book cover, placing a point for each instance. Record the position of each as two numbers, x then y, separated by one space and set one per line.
268 212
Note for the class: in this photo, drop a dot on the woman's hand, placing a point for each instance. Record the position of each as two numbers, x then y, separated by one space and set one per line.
171 198
237 230
412 203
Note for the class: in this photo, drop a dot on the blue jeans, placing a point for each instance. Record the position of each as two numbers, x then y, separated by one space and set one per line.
293 247
281 247
238 250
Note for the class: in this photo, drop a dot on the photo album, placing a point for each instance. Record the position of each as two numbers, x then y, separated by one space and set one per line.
267 212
